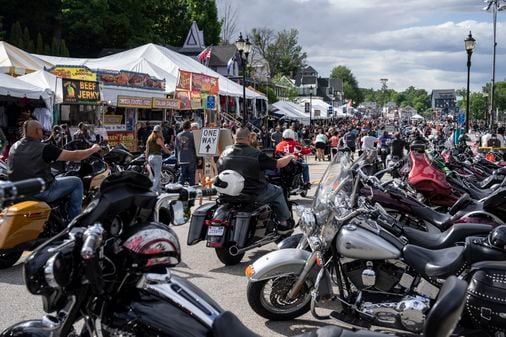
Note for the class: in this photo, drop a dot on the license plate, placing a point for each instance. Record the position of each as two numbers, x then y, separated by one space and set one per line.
216 231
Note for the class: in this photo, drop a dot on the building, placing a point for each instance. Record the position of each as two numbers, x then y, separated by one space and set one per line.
444 99
329 90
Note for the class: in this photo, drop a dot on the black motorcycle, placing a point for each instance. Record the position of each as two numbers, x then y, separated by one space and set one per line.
106 275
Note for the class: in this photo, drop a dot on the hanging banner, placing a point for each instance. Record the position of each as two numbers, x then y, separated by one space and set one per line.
162 103
113 119
125 138
204 83
184 98
196 100
80 92
184 81
130 79
74 73
134 102
197 82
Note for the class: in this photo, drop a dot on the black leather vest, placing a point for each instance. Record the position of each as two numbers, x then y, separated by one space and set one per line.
244 160
26 161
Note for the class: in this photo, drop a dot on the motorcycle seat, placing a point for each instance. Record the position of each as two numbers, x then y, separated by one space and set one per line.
240 199
228 325
448 238
463 201
434 263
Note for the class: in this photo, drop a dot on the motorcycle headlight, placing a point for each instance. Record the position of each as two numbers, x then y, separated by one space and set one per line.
58 269
307 221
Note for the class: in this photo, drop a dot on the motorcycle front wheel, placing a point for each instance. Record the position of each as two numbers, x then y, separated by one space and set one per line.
167 176
268 298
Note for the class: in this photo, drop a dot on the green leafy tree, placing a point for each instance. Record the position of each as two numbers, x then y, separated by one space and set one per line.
271 95
47 49
39 45
55 46
27 40
2 32
350 84
292 92
64 51
172 21
284 54
16 35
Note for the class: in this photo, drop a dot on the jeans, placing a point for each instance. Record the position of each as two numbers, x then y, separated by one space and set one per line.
305 173
155 162
62 187
187 174
273 195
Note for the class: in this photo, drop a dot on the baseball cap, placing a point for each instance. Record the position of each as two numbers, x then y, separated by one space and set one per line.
157 128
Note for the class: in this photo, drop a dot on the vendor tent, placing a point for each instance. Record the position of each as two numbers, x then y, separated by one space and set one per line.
15 61
320 108
45 80
159 62
10 86
291 111
417 117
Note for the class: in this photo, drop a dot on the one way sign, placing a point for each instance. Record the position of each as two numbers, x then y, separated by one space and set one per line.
209 142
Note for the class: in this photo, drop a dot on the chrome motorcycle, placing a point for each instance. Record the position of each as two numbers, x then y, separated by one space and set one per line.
382 282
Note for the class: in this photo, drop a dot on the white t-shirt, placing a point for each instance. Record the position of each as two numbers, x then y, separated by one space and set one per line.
368 142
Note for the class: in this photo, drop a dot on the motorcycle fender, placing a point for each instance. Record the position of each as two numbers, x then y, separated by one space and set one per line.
279 263
33 328
240 229
291 242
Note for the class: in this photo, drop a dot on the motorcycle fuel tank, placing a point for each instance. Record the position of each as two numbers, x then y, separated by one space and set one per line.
358 243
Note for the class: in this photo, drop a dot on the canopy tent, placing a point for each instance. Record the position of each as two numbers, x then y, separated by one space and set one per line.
320 108
417 117
15 61
159 62
45 80
290 110
10 86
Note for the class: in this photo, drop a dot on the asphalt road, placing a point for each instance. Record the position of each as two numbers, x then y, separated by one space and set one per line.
226 285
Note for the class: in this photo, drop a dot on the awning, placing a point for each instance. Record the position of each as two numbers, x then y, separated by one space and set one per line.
110 93
10 86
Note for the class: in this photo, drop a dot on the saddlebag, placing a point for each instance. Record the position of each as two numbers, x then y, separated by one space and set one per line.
486 296
198 230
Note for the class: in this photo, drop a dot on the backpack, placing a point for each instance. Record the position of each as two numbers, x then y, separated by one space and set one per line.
494 142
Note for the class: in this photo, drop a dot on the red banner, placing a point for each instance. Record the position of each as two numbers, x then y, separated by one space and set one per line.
184 97
126 138
184 81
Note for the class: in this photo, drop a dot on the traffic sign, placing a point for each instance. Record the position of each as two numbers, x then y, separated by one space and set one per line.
211 102
330 110
462 118
209 142
306 108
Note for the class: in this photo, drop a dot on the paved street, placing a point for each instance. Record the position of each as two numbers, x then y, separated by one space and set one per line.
227 285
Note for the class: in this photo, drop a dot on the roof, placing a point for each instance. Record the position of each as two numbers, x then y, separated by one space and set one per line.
17 61
309 80
195 38
220 55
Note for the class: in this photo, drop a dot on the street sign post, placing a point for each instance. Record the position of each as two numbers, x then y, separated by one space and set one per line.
209 142
211 102
462 119
306 108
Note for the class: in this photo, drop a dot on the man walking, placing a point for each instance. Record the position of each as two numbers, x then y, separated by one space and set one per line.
186 155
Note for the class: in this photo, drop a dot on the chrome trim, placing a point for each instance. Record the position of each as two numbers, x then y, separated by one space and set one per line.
49 273
170 288
164 199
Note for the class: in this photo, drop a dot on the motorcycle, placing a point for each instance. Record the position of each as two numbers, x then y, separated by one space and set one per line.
107 273
118 158
382 281
25 224
232 225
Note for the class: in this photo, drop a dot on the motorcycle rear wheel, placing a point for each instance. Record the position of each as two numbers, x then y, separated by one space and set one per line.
7 260
275 307
167 177
226 258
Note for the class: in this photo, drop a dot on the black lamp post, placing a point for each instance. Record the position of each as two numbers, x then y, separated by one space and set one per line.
310 105
469 44
244 48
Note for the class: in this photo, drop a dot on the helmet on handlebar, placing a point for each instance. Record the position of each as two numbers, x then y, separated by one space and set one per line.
497 237
289 134
229 182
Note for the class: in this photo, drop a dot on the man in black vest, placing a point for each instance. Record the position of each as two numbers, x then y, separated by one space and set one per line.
250 163
30 158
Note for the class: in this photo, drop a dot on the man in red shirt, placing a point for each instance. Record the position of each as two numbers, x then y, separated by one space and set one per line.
288 146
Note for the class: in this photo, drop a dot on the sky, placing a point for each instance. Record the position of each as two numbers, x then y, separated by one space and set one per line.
409 42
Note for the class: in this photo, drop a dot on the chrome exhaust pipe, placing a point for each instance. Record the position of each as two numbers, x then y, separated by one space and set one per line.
50 323
233 250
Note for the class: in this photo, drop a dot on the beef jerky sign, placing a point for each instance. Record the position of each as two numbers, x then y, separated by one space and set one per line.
77 92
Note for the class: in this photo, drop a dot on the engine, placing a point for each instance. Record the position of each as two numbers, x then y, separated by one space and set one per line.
385 295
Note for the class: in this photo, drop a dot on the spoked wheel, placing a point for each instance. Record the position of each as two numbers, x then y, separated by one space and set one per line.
268 298
167 177
7 260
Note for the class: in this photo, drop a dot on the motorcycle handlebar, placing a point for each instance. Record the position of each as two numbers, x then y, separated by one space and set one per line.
352 215
11 190
92 240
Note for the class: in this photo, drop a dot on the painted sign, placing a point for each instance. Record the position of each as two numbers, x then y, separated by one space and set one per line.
130 79
184 81
113 119
162 103
74 73
126 138
184 97
198 82
80 92
134 102
209 142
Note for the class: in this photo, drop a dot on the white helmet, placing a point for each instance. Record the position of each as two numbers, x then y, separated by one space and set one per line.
229 182
288 134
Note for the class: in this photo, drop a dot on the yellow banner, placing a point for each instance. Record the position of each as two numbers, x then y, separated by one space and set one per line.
74 73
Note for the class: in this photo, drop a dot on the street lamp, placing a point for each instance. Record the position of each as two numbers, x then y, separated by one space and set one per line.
469 44
496 7
244 48
310 104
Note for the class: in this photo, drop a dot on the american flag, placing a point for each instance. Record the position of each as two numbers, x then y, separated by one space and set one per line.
205 56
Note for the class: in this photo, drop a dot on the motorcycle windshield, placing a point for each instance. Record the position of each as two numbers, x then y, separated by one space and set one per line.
336 186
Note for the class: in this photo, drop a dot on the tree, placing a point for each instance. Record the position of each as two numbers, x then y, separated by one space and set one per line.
27 41
2 32
285 55
228 21
172 21
63 49
205 13
16 35
47 49
39 45
350 84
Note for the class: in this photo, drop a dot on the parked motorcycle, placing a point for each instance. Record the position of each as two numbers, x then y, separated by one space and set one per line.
104 275
382 280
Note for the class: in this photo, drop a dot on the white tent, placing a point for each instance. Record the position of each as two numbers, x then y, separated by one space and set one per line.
417 117
45 80
16 61
10 86
291 110
159 62
320 108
